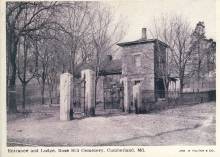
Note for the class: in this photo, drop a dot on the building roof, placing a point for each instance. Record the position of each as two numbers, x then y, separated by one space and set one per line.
107 67
112 67
141 41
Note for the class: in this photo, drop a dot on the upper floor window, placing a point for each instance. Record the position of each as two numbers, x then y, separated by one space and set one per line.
137 60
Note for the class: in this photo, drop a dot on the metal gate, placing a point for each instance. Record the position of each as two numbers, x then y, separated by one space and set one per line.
114 96
78 107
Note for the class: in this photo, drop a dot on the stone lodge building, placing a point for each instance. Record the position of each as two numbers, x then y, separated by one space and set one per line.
140 69
128 83
142 63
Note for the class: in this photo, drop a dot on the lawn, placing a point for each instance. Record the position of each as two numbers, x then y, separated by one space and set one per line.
184 125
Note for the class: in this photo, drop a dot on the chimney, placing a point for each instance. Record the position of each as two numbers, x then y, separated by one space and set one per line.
144 33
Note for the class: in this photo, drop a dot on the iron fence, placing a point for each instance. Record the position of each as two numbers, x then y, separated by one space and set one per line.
152 100
78 108
33 96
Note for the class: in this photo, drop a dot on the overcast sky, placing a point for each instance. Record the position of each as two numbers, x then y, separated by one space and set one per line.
140 14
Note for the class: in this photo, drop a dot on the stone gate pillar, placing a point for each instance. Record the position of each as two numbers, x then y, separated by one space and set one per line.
137 98
89 76
126 94
66 83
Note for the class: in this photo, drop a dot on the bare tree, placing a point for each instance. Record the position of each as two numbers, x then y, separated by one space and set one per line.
53 81
27 63
13 11
23 18
43 61
51 55
52 68
85 31
199 54
105 33
175 31
46 42
75 24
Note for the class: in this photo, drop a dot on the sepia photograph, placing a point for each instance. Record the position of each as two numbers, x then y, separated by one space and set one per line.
110 73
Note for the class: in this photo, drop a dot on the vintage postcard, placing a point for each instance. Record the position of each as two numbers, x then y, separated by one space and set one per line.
108 78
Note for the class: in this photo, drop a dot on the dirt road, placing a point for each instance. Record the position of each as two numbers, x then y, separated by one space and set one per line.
186 125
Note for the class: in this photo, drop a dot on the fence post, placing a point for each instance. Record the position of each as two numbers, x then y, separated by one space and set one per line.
84 93
66 83
137 98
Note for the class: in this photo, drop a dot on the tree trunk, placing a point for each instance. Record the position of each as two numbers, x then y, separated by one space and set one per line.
181 85
42 92
50 96
51 93
12 51
166 93
23 96
96 91
12 99
198 75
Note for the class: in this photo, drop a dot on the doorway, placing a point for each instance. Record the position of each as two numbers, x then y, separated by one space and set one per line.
160 90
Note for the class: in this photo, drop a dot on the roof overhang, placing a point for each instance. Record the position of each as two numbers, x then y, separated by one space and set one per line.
142 41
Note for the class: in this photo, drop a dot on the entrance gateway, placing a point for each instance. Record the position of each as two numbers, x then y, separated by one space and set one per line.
113 96
112 101
81 95
143 58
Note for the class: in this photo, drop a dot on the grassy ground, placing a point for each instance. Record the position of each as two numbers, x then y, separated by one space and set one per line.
185 125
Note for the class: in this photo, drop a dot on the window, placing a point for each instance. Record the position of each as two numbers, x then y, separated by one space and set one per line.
137 60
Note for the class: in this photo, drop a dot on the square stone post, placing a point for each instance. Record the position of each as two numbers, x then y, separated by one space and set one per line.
89 91
66 83
137 98
126 95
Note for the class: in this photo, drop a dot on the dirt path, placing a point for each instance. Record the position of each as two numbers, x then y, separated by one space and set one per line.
186 125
